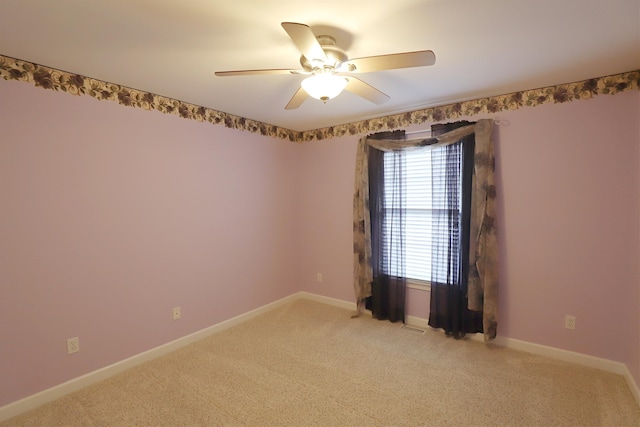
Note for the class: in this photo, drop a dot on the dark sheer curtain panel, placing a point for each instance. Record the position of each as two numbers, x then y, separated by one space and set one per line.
451 208
386 199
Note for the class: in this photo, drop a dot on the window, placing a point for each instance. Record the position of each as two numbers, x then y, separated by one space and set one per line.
426 190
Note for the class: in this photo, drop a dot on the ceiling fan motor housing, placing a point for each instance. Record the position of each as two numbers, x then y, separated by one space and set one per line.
335 56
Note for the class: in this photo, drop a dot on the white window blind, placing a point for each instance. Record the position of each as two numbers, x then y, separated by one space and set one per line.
426 209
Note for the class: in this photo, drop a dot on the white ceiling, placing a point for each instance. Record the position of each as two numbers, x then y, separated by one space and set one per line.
172 48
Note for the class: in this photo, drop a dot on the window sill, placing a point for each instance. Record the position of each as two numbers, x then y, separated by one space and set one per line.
422 285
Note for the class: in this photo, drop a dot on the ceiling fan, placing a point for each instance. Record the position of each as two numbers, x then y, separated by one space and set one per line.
329 68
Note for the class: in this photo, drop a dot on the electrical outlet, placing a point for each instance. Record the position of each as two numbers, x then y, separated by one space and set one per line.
318 277
73 345
570 322
176 313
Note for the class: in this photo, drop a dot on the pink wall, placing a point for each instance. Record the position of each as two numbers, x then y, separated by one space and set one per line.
569 235
326 180
111 216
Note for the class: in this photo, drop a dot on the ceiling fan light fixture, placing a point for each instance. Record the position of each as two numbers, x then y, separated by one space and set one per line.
326 61
324 86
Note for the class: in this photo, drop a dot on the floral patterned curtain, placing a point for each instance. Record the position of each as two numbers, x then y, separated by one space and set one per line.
483 268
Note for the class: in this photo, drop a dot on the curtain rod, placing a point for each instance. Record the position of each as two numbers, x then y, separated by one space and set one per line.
496 122
418 131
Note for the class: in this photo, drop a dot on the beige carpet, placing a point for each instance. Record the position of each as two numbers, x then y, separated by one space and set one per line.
308 364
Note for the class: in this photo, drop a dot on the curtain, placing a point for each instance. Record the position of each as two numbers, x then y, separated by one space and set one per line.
481 265
449 303
388 290
482 291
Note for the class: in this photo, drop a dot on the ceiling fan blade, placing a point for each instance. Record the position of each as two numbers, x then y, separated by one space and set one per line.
393 61
305 41
255 72
298 98
366 91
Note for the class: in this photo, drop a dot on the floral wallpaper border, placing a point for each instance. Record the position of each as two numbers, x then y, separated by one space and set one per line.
51 78
585 89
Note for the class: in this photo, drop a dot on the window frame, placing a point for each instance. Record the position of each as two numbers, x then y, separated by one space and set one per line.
413 282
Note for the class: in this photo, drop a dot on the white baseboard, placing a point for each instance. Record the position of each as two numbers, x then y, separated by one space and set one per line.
56 392
417 322
328 300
